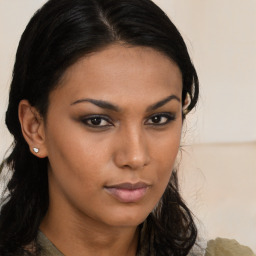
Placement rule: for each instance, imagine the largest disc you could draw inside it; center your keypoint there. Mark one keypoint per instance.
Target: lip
(128, 192)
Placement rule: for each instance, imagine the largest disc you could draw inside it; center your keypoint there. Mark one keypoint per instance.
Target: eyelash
(100, 118)
(169, 117)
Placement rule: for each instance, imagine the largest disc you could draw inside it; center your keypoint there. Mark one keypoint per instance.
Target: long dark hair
(60, 33)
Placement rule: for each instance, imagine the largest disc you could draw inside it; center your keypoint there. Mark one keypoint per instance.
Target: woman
(99, 93)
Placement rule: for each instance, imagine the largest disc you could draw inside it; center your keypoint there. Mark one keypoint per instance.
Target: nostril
(133, 163)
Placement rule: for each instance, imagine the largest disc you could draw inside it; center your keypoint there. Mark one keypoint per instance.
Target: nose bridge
(132, 151)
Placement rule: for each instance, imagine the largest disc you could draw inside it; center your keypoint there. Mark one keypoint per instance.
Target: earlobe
(32, 126)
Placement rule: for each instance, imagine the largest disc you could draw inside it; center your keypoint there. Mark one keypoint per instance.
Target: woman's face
(112, 135)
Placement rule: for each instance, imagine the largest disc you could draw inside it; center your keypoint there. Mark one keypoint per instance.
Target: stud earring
(36, 150)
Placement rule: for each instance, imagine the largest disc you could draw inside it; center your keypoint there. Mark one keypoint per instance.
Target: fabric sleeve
(227, 247)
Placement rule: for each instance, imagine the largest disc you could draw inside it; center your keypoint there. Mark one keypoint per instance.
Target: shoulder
(47, 248)
(227, 247)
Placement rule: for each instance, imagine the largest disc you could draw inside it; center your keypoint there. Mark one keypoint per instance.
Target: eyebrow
(99, 103)
(162, 102)
(113, 107)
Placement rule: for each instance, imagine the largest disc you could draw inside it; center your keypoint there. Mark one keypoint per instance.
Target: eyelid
(170, 117)
(84, 119)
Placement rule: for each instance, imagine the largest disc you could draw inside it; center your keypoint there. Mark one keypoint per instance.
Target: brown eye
(160, 119)
(96, 121)
(156, 119)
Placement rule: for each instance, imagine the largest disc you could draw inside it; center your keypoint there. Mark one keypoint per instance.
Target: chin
(128, 218)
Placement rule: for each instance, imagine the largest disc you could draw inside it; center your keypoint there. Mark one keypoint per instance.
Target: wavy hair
(57, 36)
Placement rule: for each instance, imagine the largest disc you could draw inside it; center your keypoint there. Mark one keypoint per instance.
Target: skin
(128, 144)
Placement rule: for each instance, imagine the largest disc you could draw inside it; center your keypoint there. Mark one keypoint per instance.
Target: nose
(132, 151)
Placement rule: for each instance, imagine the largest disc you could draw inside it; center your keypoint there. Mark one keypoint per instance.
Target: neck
(71, 233)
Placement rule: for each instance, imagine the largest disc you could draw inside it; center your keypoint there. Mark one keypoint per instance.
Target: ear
(33, 130)
(186, 104)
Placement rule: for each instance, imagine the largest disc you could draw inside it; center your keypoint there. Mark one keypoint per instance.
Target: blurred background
(217, 162)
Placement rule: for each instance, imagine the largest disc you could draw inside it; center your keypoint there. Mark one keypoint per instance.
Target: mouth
(128, 192)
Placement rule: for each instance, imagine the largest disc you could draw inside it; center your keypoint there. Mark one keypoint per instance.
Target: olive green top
(48, 248)
(227, 247)
(217, 247)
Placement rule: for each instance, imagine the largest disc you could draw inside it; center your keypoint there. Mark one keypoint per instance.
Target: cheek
(166, 148)
(75, 160)
(68, 141)
(75, 174)
(72, 157)
(164, 159)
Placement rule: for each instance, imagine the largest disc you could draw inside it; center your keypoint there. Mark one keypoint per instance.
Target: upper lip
(128, 185)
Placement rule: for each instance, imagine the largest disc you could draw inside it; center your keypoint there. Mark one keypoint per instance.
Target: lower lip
(127, 195)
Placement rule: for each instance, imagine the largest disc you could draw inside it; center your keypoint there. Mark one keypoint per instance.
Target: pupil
(156, 119)
(96, 121)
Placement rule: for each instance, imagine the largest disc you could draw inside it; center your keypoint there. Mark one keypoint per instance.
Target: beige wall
(218, 180)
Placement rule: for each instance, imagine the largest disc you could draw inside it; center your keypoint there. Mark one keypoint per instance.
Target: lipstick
(128, 192)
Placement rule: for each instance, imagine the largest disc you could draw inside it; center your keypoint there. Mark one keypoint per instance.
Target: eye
(160, 119)
(97, 121)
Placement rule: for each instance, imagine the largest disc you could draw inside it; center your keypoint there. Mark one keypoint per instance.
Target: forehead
(122, 72)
